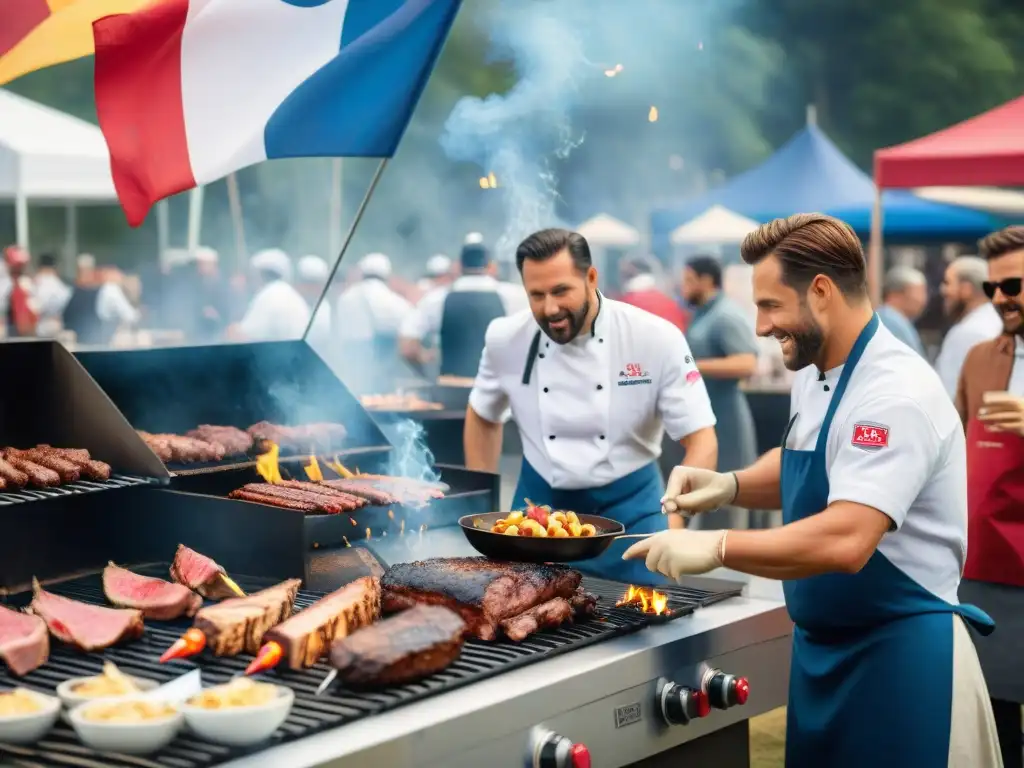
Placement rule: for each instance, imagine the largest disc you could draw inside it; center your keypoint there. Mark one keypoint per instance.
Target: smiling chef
(871, 478)
(591, 383)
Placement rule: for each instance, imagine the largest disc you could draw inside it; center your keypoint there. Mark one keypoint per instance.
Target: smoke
(411, 457)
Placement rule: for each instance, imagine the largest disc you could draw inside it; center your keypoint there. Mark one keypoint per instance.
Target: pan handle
(634, 536)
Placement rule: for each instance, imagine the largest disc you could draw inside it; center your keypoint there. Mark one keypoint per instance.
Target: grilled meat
(38, 475)
(233, 440)
(382, 489)
(324, 502)
(239, 624)
(309, 438)
(273, 501)
(182, 450)
(364, 490)
(354, 502)
(89, 467)
(553, 613)
(66, 471)
(156, 598)
(483, 592)
(86, 627)
(306, 636)
(412, 645)
(200, 574)
(13, 478)
(24, 641)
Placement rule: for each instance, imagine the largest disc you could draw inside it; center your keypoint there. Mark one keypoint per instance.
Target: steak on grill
(86, 627)
(412, 645)
(233, 440)
(306, 636)
(157, 599)
(200, 574)
(24, 641)
(483, 592)
(547, 615)
(239, 624)
(319, 437)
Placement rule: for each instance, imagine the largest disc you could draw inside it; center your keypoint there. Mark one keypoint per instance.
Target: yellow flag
(65, 35)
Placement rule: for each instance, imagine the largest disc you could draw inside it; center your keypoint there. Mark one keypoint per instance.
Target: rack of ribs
(300, 642)
(487, 594)
(414, 644)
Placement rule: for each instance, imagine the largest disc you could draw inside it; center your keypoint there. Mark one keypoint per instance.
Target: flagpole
(348, 239)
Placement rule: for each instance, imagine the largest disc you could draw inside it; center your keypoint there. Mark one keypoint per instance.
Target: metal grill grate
(682, 601)
(72, 489)
(310, 713)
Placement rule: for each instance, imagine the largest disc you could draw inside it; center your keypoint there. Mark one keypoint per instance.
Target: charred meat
(298, 495)
(12, 478)
(157, 599)
(24, 641)
(86, 627)
(234, 441)
(321, 437)
(66, 470)
(239, 625)
(200, 574)
(89, 467)
(306, 636)
(483, 592)
(412, 645)
(38, 475)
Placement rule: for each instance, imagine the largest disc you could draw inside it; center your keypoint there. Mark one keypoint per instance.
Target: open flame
(267, 465)
(313, 470)
(338, 467)
(646, 600)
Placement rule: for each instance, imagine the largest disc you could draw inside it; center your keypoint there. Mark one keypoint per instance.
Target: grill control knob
(679, 705)
(549, 750)
(724, 690)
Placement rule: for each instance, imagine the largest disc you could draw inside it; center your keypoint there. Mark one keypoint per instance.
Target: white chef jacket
(918, 477)
(594, 409)
(276, 313)
(425, 320)
(980, 324)
(370, 308)
(320, 334)
(112, 305)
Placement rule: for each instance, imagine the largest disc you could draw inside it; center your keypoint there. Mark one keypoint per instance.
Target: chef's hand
(679, 552)
(1003, 412)
(691, 489)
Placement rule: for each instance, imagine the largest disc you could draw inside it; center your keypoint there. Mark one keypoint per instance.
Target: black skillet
(547, 549)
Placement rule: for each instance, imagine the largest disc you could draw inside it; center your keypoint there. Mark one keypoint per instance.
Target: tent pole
(20, 210)
(163, 241)
(195, 218)
(235, 203)
(875, 250)
(70, 237)
(348, 239)
(336, 208)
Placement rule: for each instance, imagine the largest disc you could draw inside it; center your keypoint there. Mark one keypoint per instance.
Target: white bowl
(240, 726)
(71, 699)
(127, 738)
(27, 729)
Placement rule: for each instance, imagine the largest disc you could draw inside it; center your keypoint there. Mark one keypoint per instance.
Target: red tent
(984, 150)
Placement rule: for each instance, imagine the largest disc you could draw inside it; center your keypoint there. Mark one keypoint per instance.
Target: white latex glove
(1003, 412)
(691, 489)
(680, 551)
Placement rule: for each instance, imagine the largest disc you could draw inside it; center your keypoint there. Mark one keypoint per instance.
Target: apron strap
(786, 431)
(531, 358)
(851, 363)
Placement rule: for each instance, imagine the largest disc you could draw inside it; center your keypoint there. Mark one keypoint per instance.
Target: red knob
(703, 703)
(742, 689)
(580, 756)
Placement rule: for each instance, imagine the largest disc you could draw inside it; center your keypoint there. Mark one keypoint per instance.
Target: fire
(338, 467)
(652, 115)
(313, 470)
(369, 533)
(267, 466)
(490, 181)
(613, 71)
(646, 599)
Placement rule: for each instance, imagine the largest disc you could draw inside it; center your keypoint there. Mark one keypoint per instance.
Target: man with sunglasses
(990, 399)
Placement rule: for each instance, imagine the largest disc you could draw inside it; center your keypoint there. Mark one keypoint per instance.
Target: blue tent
(808, 174)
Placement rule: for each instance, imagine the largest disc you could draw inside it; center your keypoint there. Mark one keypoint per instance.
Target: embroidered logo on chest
(633, 374)
(870, 437)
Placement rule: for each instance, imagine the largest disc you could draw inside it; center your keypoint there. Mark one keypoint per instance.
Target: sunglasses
(1010, 287)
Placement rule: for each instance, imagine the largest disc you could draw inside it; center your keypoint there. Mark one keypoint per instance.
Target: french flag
(189, 91)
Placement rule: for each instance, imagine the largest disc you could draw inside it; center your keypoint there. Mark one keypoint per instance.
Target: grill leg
(725, 748)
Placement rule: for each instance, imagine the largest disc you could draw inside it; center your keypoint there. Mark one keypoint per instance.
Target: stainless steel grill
(8, 498)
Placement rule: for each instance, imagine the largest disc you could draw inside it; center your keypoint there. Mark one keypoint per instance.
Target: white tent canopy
(47, 156)
(716, 226)
(991, 199)
(607, 231)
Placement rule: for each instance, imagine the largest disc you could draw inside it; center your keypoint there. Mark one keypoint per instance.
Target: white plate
(71, 699)
(28, 729)
(240, 726)
(128, 738)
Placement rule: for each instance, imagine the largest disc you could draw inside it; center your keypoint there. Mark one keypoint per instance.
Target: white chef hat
(473, 238)
(313, 269)
(206, 255)
(375, 265)
(438, 265)
(273, 260)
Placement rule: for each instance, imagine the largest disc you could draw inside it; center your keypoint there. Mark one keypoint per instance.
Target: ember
(645, 600)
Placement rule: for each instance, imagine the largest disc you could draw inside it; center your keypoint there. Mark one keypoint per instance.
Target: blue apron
(633, 500)
(871, 681)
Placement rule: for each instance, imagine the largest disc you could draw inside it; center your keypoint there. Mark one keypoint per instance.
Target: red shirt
(657, 303)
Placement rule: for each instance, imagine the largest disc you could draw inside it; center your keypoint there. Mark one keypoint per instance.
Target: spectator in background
(438, 273)
(724, 347)
(974, 318)
(52, 296)
(98, 305)
(276, 312)
(214, 310)
(904, 297)
(22, 310)
(639, 281)
(313, 275)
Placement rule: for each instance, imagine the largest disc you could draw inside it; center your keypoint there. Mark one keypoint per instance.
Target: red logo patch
(870, 436)
(693, 377)
(634, 370)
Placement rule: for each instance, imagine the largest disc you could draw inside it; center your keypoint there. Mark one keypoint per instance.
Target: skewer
(267, 658)
(327, 681)
(189, 644)
(230, 584)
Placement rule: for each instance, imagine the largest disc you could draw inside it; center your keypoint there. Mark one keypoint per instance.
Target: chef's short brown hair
(1002, 242)
(808, 245)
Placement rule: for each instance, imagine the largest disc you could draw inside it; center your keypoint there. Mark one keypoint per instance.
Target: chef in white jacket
(277, 312)
(313, 273)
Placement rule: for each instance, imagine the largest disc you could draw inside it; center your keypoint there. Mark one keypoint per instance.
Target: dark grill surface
(310, 713)
(71, 489)
(682, 601)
